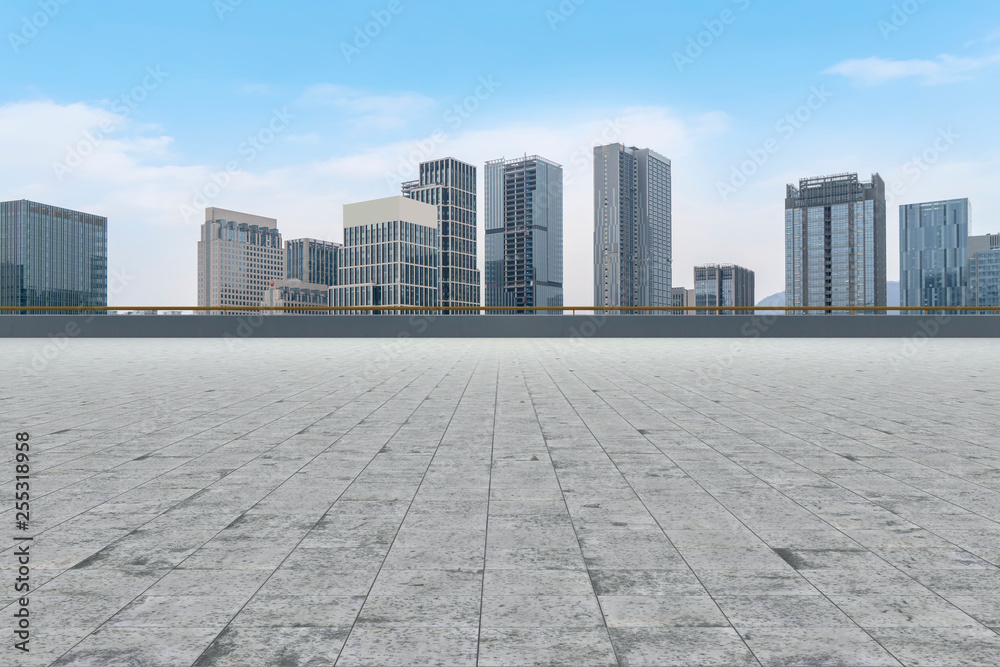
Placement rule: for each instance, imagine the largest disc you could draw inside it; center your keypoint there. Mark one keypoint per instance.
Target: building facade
(450, 185)
(524, 234)
(835, 242)
(933, 254)
(239, 255)
(723, 285)
(291, 293)
(984, 271)
(682, 297)
(390, 255)
(52, 257)
(632, 227)
(312, 261)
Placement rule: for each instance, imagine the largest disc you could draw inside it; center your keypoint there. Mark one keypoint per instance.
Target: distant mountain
(774, 300)
(892, 297)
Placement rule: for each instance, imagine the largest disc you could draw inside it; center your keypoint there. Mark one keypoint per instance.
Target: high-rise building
(390, 255)
(682, 297)
(52, 257)
(524, 234)
(632, 226)
(984, 271)
(933, 254)
(835, 253)
(723, 285)
(450, 185)
(238, 256)
(311, 261)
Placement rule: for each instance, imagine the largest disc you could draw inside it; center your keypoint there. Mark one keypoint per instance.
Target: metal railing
(480, 310)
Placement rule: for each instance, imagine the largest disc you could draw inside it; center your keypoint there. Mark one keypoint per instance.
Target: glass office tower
(312, 261)
(933, 254)
(723, 285)
(984, 271)
(390, 255)
(451, 186)
(524, 234)
(835, 253)
(52, 257)
(632, 218)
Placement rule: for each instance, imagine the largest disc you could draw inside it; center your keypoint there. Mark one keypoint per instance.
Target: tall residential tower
(632, 227)
(524, 233)
(450, 185)
(835, 242)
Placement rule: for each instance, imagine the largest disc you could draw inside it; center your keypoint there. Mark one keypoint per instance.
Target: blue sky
(162, 96)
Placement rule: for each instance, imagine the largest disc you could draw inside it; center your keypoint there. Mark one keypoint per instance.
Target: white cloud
(376, 112)
(132, 179)
(944, 69)
(992, 37)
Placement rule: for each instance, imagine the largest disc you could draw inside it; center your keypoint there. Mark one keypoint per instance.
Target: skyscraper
(984, 271)
(723, 285)
(451, 186)
(238, 256)
(835, 242)
(52, 257)
(632, 227)
(311, 261)
(390, 255)
(524, 234)
(933, 253)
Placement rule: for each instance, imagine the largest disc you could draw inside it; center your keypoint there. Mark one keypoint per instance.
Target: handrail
(500, 309)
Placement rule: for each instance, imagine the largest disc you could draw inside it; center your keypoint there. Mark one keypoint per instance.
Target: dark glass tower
(933, 253)
(524, 234)
(52, 257)
(451, 186)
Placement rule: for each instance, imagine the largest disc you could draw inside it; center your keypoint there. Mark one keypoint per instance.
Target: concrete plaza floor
(521, 502)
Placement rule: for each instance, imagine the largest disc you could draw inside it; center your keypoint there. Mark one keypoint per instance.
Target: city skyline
(859, 96)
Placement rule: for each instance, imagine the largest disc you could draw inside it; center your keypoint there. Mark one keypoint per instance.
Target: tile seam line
(70, 649)
(437, 448)
(583, 422)
(888, 652)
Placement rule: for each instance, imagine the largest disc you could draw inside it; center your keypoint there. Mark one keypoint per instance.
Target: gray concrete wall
(518, 326)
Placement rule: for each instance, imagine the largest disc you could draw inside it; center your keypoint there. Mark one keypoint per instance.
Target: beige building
(239, 255)
(390, 255)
